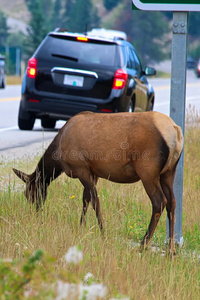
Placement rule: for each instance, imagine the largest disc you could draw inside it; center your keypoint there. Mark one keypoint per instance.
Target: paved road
(162, 91)
(9, 102)
(15, 143)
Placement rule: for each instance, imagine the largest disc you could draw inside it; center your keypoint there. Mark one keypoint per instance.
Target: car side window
(123, 55)
(131, 64)
(138, 65)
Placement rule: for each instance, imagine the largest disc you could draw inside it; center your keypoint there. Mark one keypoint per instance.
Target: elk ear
(21, 175)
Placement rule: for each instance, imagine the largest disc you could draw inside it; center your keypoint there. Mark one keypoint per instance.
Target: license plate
(73, 80)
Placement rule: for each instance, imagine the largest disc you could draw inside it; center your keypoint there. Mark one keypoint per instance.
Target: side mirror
(148, 71)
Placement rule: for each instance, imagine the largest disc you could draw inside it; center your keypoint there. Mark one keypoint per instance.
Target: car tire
(25, 119)
(2, 85)
(46, 122)
(25, 124)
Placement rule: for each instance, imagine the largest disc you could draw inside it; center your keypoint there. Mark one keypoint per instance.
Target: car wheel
(130, 107)
(3, 84)
(48, 123)
(25, 119)
(26, 124)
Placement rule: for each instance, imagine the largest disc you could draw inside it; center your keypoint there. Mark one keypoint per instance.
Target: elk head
(34, 191)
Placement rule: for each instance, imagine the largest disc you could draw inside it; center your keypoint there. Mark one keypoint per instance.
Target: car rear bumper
(66, 108)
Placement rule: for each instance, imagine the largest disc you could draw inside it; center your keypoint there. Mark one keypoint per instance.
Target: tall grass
(111, 257)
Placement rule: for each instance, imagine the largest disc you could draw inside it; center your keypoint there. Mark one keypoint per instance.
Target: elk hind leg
(86, 201)
(96, 207)
(158, 201)
(167, 181)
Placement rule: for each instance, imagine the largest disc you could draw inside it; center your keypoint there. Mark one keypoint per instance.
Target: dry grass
(126, 211)
(13, 80)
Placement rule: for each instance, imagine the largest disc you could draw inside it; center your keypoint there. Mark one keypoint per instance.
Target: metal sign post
(178, 82)
(177, 104)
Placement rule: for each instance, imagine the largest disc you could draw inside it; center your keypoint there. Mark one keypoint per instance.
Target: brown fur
(123, 148)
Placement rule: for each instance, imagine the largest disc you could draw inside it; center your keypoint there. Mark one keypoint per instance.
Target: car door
(141, 101)
(134, 89)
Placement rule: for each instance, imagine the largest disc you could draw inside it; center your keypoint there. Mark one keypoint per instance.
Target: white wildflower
(71, 291)
(93, 291)
(89, 277)
(120, 298)
(67, 291)
(74, 255)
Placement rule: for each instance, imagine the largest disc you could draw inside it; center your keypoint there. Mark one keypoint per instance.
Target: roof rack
(102, 33)
(108, 33)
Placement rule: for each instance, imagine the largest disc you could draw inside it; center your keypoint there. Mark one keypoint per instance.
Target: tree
(147, 31)
(194, 24)
(47, 9)
(56, 16)
(79, 15)
(110, 4)
(66, 14)
(30, 4)
(3, 29)
(38, 26)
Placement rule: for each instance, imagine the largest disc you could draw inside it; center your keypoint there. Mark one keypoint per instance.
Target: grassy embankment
(126, 211)
(13, 80)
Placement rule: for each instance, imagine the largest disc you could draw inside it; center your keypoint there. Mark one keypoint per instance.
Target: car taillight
(82, 38)
(32, 67)
(106, 110)
(34, 100)
(120, 79)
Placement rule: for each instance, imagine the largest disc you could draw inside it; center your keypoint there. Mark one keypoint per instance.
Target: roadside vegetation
(33, 246)
(13, 80)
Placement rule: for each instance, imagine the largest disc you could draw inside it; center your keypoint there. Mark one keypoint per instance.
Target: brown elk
(121, 147)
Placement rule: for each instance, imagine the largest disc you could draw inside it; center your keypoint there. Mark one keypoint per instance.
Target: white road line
(9, 99)
(188, 100)
(37, 125)
(8, 128)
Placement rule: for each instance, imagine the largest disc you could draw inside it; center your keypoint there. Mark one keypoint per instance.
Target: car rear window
(78, 51)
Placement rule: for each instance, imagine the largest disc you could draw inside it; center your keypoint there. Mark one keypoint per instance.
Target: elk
(120, 147)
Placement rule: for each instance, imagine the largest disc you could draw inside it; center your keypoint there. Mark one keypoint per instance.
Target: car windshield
(81, 52)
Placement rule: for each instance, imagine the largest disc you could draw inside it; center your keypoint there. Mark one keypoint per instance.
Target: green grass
(112, 258)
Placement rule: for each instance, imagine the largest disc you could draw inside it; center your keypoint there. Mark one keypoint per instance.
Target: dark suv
(70, 73)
